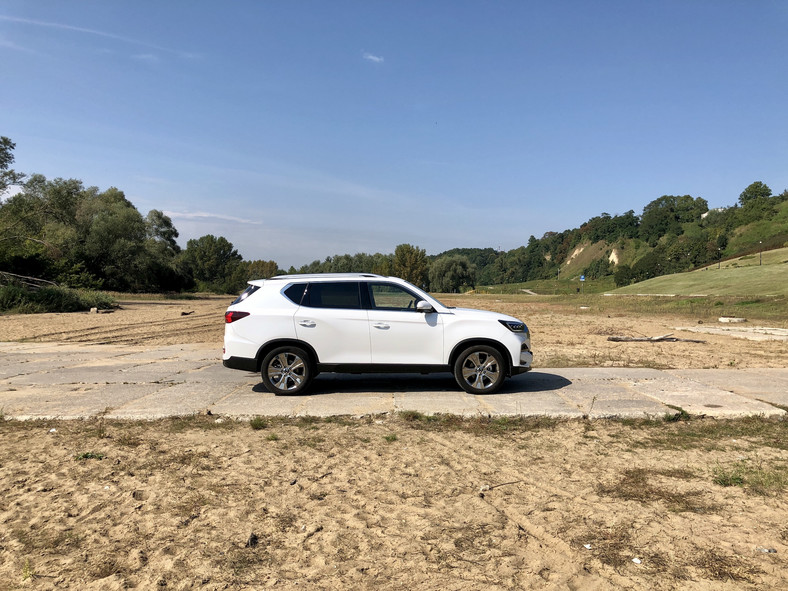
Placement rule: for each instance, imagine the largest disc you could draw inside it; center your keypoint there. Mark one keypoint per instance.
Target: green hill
(754, 274)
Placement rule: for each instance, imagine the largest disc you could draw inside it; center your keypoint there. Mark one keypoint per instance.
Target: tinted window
(295, 292)
(332, 295)
(386, 296)
(246, 293)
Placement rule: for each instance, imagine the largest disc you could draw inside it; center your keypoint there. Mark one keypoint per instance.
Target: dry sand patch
(391, 503)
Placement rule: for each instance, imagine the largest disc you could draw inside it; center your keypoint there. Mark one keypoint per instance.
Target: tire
(480, 370)
(286, 370)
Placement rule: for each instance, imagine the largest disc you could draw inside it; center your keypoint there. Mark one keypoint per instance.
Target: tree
(260, 269)
(113, 239)
(666, 214)
(159, 227)
(8, 176)
(754, 191)
(452, 273)
(212, 262)
(410, 264)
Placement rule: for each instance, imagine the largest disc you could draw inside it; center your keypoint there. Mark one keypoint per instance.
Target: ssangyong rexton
(292, 327)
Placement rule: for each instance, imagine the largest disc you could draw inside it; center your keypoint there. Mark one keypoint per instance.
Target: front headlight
(515, 325)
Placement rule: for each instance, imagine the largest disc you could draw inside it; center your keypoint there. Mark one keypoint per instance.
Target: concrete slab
(528, 404)
(169, 401)
(248, 402)
(69, 402)
(611, 398)
(700, 399)
(768, 384)
(67, 380)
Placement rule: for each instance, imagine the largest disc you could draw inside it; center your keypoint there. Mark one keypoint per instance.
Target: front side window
(387, 296)
(343, 294)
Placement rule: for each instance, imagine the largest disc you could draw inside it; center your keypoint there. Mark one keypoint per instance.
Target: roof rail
(326, 276)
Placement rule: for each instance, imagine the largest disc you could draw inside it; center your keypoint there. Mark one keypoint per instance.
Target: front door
(398, 333)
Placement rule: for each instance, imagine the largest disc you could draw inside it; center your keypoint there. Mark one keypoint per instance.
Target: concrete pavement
(69, 381)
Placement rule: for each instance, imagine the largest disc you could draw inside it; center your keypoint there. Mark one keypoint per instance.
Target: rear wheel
(480, 369)
(287, 370)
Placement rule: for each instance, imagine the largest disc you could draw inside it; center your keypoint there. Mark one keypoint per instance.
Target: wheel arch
(271, 345)
(462, 345)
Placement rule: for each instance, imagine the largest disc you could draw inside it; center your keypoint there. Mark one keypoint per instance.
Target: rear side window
(245, 294)
(343, 294)
(295, 293)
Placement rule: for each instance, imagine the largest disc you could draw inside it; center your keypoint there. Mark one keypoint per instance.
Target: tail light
(233, 316)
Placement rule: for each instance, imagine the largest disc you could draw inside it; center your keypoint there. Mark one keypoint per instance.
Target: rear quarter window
(295, 293)
(245, 294)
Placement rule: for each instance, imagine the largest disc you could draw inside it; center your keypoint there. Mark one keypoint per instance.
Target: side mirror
(422, 306)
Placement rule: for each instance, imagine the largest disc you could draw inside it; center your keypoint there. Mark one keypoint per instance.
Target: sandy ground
(397, 502)
(562, 335)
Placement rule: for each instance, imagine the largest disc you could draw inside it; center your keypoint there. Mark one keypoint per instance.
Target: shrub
(22, 300)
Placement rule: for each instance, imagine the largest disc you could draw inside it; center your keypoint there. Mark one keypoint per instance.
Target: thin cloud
(375, 59)
(200, 215)
(146, 57)
(11, 45)
(62, 27)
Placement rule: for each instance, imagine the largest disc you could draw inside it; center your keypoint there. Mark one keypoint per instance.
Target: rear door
(332, 320)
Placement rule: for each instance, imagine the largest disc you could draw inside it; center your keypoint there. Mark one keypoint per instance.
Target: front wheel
(286, 370)
(479, 370)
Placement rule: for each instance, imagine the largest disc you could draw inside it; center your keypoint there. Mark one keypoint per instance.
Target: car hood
(481, 314)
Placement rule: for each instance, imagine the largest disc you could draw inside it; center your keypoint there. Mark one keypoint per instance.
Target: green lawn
(743, 276)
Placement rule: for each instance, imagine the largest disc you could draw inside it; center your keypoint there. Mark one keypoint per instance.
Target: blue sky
(303, 129)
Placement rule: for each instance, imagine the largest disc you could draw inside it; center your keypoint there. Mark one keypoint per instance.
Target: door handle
(382, 325)
(307, 323)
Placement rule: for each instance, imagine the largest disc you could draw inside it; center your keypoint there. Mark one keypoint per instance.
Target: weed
(312, 442)
(258, 423)
(27, 571)
(681, 415)
(127, 440)
(89, 455)
(100, 431)
(272, 437)
(390, 438)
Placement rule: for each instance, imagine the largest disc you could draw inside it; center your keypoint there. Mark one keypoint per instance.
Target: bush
(22, 300)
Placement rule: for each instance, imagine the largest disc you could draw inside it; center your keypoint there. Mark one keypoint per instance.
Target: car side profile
(292, 327)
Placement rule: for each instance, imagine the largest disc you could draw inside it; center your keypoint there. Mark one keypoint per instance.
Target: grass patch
(16, 299)
(681, 415)
(722, 567)
(203, 422)
(710, 434)
(258, 423)
(636, 485)
(476, 425)
(756, 478)
(89, 455)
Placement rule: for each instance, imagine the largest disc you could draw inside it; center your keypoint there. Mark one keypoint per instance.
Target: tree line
(78, 236)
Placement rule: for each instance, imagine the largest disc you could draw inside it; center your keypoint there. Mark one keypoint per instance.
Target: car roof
(321, 277)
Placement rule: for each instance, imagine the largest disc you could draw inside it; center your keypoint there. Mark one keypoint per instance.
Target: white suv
(292, 327)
